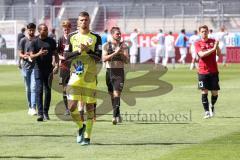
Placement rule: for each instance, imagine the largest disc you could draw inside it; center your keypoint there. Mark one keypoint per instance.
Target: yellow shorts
(82, 88)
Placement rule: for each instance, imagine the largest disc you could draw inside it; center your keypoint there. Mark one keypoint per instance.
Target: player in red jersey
(207, 49)
(64, 64)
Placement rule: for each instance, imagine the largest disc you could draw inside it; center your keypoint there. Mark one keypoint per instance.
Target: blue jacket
(181, 40)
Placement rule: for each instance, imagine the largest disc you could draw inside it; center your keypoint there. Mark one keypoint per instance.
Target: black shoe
(80, 136)
(40, 118)
(46, 116)
(114, 120)
(85, 142)
(213, 109)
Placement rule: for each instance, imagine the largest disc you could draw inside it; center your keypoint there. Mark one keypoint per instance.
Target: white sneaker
(119, 119)
(30, 111)
(34, 112)
(211, 110)
(207, 115)
(191, 66)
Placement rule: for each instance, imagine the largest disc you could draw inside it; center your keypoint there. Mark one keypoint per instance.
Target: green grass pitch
(144, 136)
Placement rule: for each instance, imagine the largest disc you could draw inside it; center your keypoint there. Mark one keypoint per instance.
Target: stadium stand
(148, 16)
(173, 14)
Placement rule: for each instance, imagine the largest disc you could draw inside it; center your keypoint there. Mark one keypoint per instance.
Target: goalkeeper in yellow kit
(84, 50)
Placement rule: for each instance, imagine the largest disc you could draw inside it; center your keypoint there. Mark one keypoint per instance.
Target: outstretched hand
(216, 44)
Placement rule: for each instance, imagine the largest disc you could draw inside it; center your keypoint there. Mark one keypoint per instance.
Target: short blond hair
(66, 24)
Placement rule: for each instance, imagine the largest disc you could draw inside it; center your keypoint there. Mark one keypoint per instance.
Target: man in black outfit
(19, 37)
(63, 63)
(43, 49)
(115, 54)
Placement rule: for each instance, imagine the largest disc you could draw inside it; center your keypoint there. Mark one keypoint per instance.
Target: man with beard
(43, 50)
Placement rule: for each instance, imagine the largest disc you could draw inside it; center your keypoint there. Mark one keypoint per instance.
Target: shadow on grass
(227, 117)
(161, 123)
(34, 135)
(133, 121)
(143, 144)
(30, 157)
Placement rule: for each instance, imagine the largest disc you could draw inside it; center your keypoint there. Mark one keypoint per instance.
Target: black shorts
(208, 81)
(115, 79)
(64, 77)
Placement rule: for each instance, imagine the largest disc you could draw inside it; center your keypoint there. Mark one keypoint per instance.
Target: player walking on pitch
(28, 67)
(115, 54)
(207, 49)
(64, 65)
(43, 50)
(85, 49)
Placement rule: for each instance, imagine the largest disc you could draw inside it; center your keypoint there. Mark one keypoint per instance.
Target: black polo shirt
(44, 62)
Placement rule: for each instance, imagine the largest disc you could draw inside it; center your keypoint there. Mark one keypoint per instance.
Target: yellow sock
(89, 126)
(76, 118)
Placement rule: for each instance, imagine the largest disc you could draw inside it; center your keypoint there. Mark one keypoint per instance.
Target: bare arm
(208, 52)
(55, 62)
(55, 59)
(21, 49)
(60, 49)
(40, 53)
(219, 51)
(125, 55)
(61, 57)
(108, 57)
(22, 55)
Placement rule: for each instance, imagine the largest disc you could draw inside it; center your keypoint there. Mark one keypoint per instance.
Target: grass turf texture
(143, 137)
